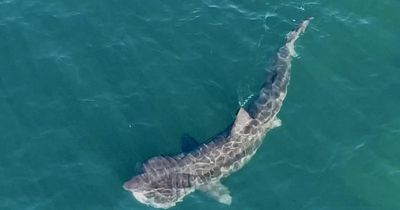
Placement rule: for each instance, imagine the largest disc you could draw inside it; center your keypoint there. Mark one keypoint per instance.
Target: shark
(166, 180)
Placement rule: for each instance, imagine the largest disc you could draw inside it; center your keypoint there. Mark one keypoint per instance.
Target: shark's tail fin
(294, 35)
(273, 92)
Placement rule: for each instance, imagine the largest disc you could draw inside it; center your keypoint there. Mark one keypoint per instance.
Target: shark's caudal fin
(267, 105)
(294, 35)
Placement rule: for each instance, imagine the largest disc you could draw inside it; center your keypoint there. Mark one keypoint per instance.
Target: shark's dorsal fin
(217, 191)
(242, 119)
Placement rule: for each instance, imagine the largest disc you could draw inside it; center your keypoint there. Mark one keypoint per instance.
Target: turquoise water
(89, 90)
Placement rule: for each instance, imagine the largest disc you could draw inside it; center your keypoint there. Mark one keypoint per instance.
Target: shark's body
(166, 180)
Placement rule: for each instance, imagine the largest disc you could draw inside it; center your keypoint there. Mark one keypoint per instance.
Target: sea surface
(91, 89)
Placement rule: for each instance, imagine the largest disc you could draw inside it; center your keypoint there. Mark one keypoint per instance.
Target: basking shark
(166, 180)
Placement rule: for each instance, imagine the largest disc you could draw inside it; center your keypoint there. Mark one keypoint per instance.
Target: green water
(89, 90)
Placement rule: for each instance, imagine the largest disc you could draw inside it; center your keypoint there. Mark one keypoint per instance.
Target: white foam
(143, 199)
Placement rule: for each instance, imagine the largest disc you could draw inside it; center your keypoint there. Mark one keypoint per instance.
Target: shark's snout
(132, 185)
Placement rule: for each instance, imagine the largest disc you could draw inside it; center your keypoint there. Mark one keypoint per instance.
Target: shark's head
(154, 191)
(140, 188)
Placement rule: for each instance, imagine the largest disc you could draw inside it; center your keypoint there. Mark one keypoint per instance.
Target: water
(88, 90)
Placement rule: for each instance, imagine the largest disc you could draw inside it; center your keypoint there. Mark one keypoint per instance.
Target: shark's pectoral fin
(188, 143)
(218, 192)
(276, 123)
